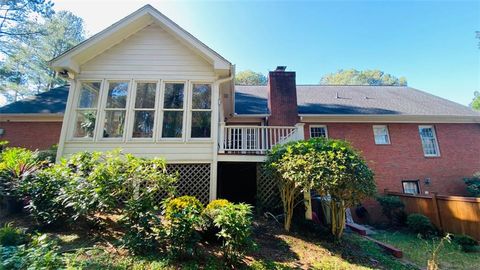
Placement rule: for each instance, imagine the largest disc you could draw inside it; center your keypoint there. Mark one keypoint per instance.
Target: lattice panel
(267, 189)
(193, 180)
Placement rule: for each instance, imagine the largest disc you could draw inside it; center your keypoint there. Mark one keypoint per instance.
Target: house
(149, 87)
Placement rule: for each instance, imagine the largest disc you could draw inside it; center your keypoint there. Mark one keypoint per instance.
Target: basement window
(318, 131)
(411, 187)
(429, 141)
(380, 133)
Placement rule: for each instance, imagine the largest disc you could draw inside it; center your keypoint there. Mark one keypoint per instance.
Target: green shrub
(467, 243)
(48, 155)
(211, 211)
(43, 192)
(392, 208)
(147, 179)
(473, 185)
(11, 236)
(183, 216)
(41, 253)
(16, 166)
(235, 224)
(419, 223)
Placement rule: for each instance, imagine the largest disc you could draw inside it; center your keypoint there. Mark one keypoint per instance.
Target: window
(429, 141)
(173, 108)
(318, 131)
(201, 111)
(380, 134)
(410, 187)
(144, 110)
(115, 110)
(86, 112)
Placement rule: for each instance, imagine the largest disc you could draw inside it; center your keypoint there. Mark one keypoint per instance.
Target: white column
(300, 131)
(221, 137)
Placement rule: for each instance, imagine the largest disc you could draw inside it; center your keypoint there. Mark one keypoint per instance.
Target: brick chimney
(282, 97)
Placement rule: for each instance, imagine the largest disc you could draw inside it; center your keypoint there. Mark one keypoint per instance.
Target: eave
(390, 118)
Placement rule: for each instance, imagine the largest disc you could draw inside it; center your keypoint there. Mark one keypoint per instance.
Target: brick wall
(32, 135)
(403, 159)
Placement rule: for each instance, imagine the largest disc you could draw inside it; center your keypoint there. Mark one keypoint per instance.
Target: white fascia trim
(376, 118)
(31, 117)
(250, 115)
(65, 60)
(242, 158)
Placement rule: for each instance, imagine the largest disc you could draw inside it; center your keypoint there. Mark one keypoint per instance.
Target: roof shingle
(52, 101)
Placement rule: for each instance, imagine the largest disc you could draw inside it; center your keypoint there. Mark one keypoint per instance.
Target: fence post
(436, 211)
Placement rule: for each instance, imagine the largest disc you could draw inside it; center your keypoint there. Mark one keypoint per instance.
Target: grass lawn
(101, 249)
(419, 250)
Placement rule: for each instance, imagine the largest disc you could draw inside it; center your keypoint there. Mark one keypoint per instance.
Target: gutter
(394, 118)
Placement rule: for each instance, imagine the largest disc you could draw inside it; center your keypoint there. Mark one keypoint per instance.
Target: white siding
(149, 52)
(173, 152)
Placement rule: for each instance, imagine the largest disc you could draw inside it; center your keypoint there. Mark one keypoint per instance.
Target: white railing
(256, 139)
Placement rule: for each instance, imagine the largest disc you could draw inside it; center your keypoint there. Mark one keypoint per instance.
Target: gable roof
(354, 100)
(53, 101)
(72, 59)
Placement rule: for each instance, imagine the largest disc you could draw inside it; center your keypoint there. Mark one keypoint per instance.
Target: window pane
(172, 124)
(143, 124)
(429, 142)
(317, 132)
(201, 124)
(117, 94)
(114, 122)
(173, 96)
(201, 96)
(381, 135)
(85, 124)
(145, 96)
(410, 187)
(89, 94)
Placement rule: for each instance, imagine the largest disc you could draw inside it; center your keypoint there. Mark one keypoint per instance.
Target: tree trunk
(337, 214)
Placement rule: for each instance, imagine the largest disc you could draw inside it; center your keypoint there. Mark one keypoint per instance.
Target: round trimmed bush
(467, 243)
(185, 203)
(419, 223)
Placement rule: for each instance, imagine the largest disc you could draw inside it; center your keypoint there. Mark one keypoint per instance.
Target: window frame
(437, 146)
(388, 134)
(417, 182)
(318, 126)
(161, 111)
(191, 110)
(132, 109)
(76, 109)
(103, 109)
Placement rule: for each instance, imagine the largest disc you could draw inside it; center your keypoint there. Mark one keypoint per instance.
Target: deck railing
(256, 139)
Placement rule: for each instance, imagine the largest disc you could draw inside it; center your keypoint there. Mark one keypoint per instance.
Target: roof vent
(281, 68)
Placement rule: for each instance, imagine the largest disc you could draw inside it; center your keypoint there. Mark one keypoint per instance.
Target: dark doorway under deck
(237, 182)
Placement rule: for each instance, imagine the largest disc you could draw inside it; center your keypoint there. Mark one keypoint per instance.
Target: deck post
(221, 137)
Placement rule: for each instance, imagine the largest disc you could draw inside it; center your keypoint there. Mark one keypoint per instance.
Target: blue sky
(432, 43)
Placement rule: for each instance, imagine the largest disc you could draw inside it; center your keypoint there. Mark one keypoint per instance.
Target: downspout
(213, 173)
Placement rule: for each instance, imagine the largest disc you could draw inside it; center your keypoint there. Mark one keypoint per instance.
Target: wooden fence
(453, 214)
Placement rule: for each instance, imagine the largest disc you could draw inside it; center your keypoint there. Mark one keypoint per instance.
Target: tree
(17, 17)
(331, 167)
(249, 77)
(25, 69)
(475, 104)
(362, 77)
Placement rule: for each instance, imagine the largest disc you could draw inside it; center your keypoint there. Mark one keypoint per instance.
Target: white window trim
(190, 110)
(412, 181)
(161, 110)
(103, 108)
(318, 126)
(437, 146)
(73, 116)
(132, 108)
(388, 134)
